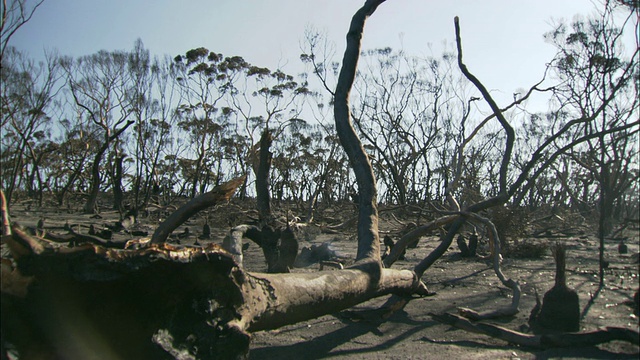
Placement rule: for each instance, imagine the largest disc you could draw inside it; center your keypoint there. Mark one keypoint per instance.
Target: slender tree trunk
(602, 218)
(118, 193)
(262, 177)
(72, 179)
(90, 205)
(15, 171)
(368, 238)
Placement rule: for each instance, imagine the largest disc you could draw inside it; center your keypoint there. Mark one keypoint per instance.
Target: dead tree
(262, 177)
(542, 341)
(189, 300)
(197, 300)
(560, 308)
(180, 302)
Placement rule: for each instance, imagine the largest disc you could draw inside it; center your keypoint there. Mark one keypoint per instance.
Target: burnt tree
(194, 300)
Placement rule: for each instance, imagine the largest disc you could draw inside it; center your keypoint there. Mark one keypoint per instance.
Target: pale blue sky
(502, 39)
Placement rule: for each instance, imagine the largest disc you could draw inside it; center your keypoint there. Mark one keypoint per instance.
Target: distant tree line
(149, 129)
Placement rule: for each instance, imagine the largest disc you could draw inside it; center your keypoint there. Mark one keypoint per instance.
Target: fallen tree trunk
(199, 301)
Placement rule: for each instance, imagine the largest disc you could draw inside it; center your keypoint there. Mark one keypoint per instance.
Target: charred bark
(90, 205)
(162, 299)
(368, 238)
(262, 178)
(547, 341)
(560, 308)
(280, 247)
(116, 183)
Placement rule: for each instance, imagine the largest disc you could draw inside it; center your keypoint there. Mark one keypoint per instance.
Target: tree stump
(560, 308)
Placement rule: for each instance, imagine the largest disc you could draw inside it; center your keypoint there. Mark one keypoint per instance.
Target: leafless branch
(368, 239)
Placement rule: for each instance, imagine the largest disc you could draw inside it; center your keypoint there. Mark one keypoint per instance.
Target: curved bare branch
(511, 136)
(368, 238)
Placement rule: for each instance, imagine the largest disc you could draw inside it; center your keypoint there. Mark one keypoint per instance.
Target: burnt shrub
(511, 224)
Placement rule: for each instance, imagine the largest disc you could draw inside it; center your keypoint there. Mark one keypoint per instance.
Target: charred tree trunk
(90, 205)
(116, 183)
(262, 178)
(368, 238)
(560, 310)
(69, 184)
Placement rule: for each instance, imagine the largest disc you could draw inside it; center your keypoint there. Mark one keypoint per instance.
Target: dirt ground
(358, 333)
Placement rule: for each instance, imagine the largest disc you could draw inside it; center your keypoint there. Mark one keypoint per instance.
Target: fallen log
(162, 299)
(75, 239)
(544, 341)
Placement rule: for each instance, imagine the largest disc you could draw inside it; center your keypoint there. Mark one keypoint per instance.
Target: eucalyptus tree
(99, 85)
(29, 90)
(211, 315)
(15, 13)
(265, 102)
(204, 78)
(289, 165)
(600, 88)
(388, 89)
(306, 167)
(336, 178)
(69, 170)
(329, 177)
(327, 169)
(408, 112)
(152, 96)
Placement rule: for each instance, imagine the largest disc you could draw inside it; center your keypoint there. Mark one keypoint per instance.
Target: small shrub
(511, 225)
(526, 250)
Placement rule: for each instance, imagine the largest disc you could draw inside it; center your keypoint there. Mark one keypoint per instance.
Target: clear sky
(502, 39)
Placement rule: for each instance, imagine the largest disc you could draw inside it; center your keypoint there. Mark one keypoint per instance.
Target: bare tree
(15, 13)
(200, 302)
(598, 85)
(152, 98)
(98, 84)
(204, 78)
(266, 102)
(28, 94)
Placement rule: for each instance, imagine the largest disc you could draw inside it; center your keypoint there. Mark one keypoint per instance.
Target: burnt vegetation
(221, 155)
(560, 307)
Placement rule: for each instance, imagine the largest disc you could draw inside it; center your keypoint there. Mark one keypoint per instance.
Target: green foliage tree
(204, 79)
